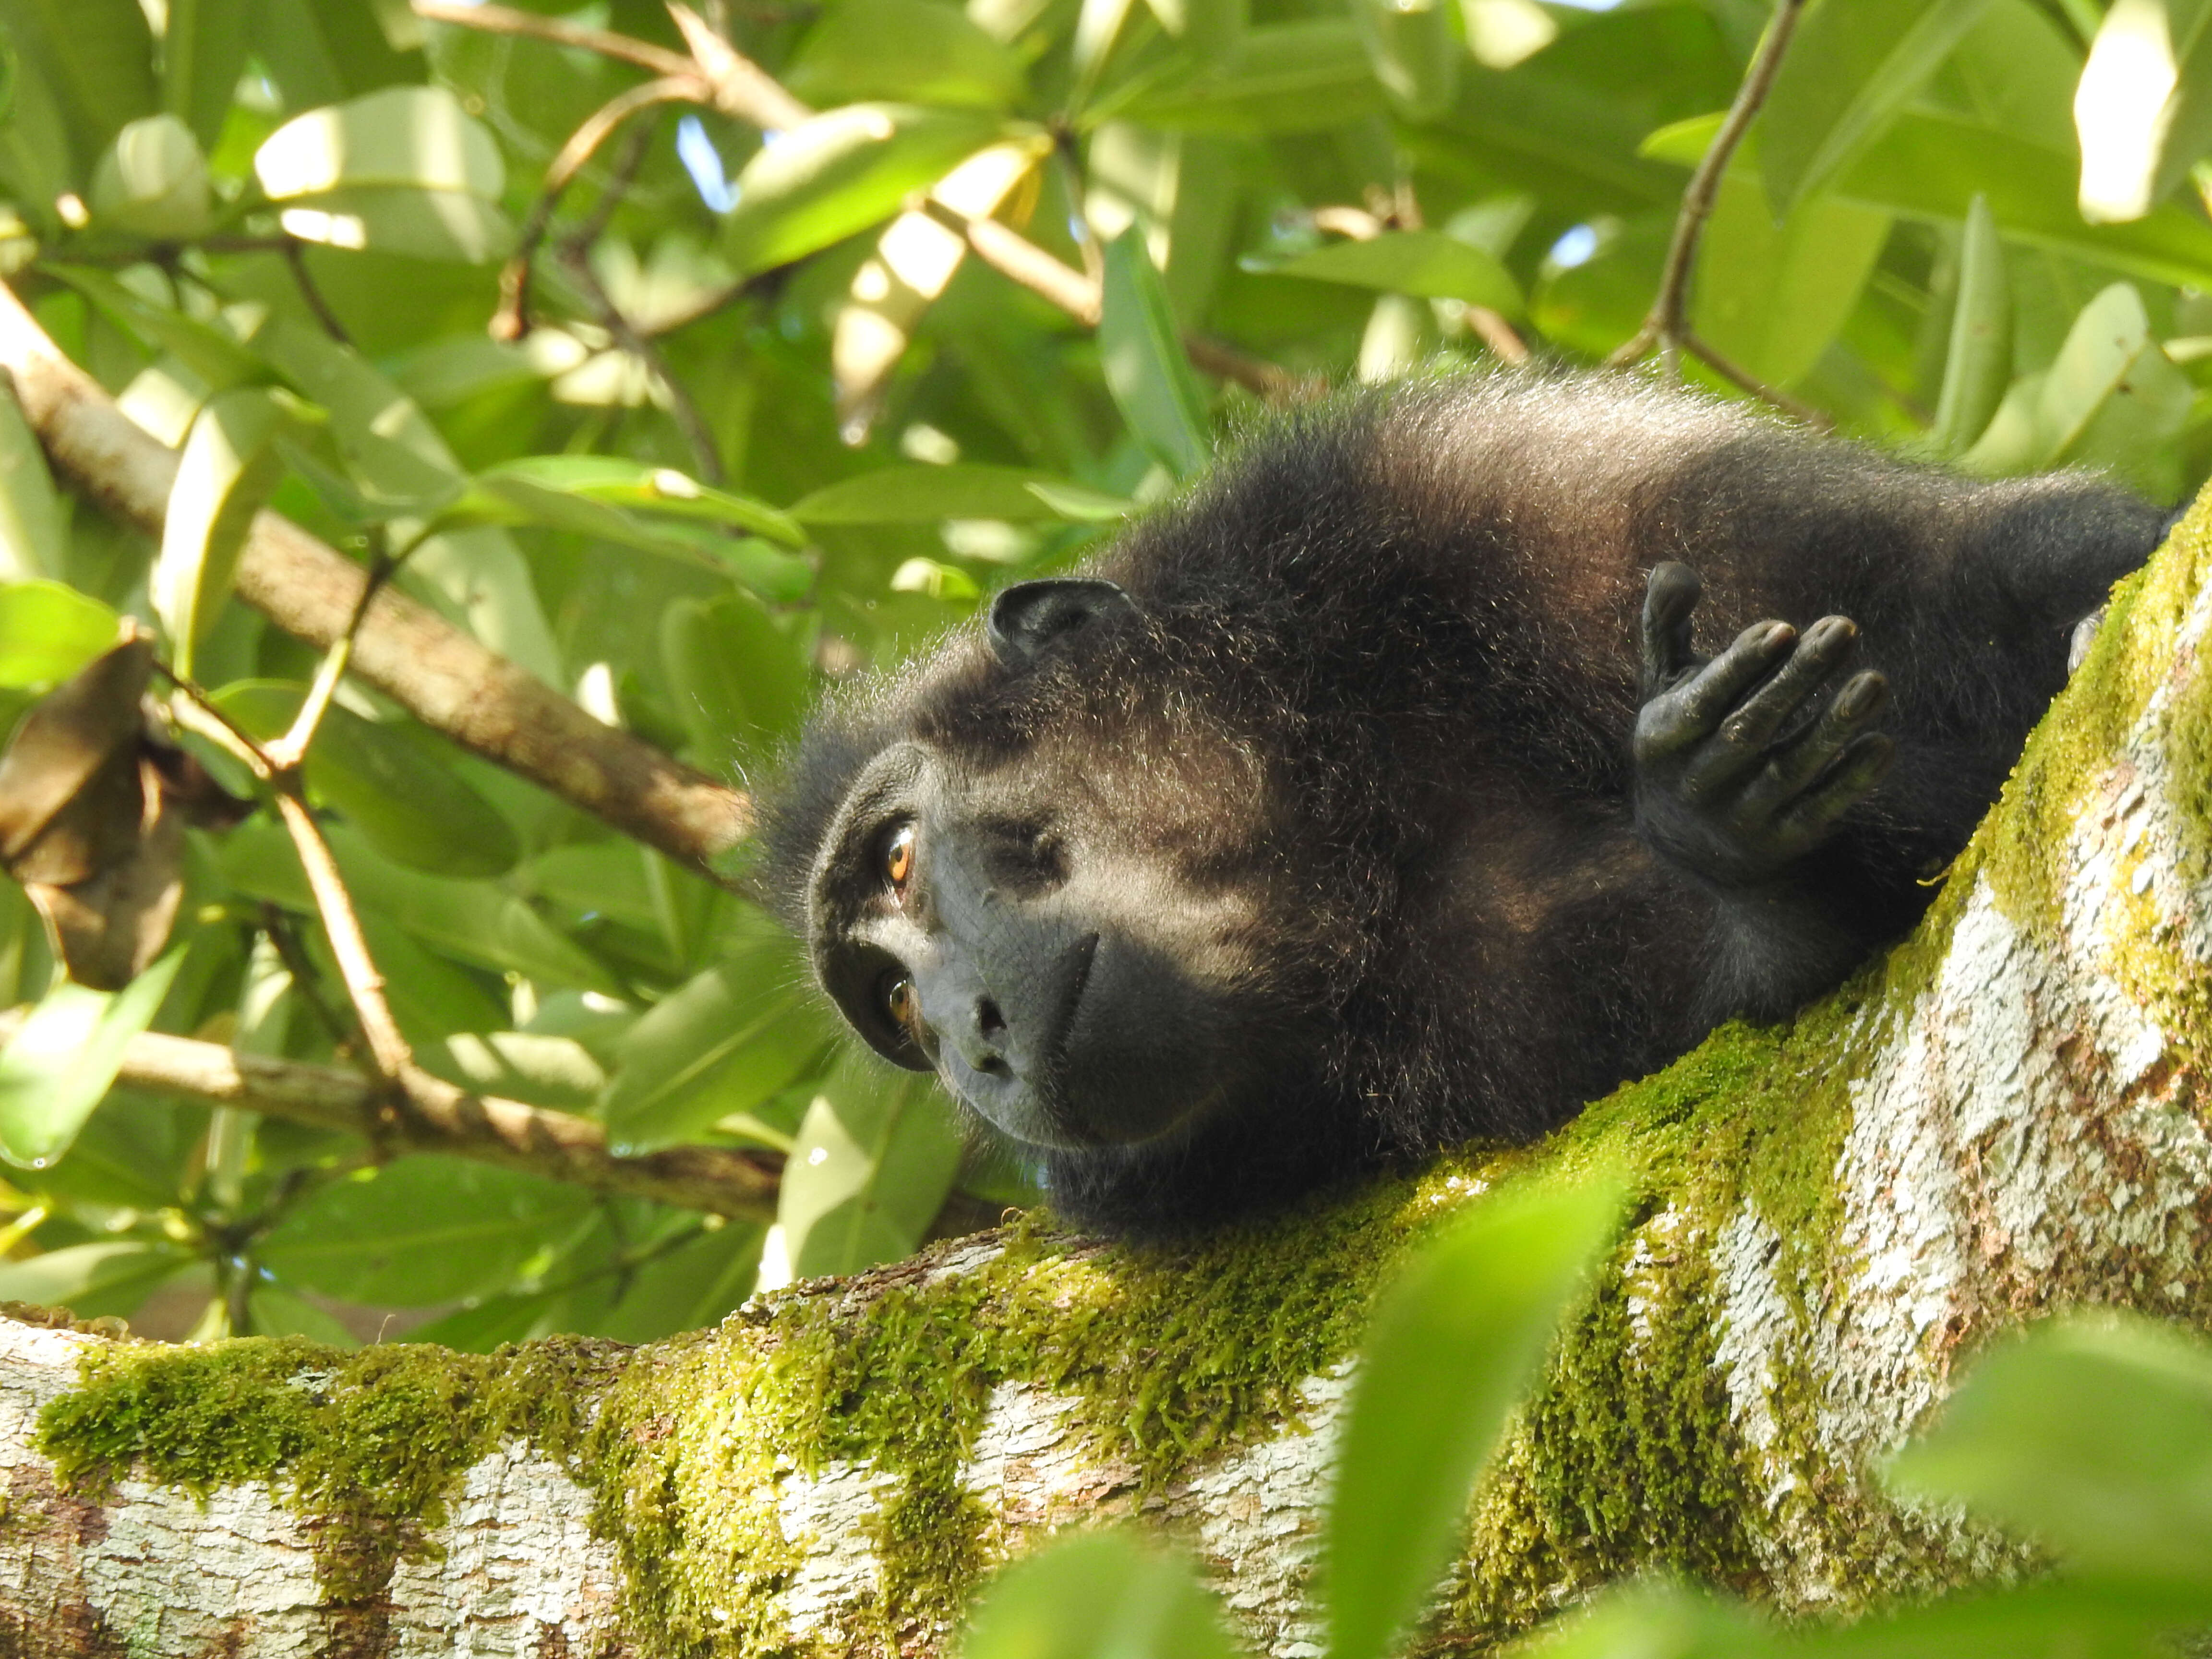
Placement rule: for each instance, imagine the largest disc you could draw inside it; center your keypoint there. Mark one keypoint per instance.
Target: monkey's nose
(982, 1037)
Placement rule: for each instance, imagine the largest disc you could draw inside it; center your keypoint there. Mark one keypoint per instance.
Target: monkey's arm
(1743, 763)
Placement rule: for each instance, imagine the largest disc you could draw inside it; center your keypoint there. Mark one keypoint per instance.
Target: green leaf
(1282, 78)
(203, 53)
(1210, 30)
(922, 52)
(1141, 351)
(1979, 361)
(740, 683)
(402, 793)
(33, 541)
(420, 1230)
(2143, 109)
(93, 1280)
(320, 54)
(920, 494)
(2093, 1432)
(720, 1044)
(404, 170)
(229, 465)
(1096, 1596)
(2109, 392)
(62, 1058)
(1771, 297)
(620, 482)
(869, 1169)
(841, 173)
(96, 56)
(48, 631)
(153, 181)
(1413, 53)
(1451, 1345)
(416, 136)
(1931, 166)
(213, 355)
(1426, 262)
(472, 921)
(1853, 65)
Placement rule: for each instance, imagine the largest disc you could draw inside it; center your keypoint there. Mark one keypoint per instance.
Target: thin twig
(506, 19)
(1744, 380)
(697, 435)
(743, 89)
(512, 320)
(1667, 324)
(345, 1036)
(557, 1145)
(288, 751)
(364, 981)
(295, 256)
(623, 176)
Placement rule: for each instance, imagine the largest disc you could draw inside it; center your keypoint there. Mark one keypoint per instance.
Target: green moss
(368, 1445)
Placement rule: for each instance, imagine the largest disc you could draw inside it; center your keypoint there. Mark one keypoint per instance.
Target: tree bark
(2005, 1116)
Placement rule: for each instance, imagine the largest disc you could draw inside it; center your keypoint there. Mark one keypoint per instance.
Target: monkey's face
(1070, 933)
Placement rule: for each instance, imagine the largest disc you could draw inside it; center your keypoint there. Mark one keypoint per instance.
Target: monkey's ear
(1026, 619)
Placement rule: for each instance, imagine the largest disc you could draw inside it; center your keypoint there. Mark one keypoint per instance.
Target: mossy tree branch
(2006, 1115)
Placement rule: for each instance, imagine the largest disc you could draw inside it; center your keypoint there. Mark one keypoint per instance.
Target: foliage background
(1969, 229)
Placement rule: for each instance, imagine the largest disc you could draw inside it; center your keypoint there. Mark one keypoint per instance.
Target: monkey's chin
(1108, 1121)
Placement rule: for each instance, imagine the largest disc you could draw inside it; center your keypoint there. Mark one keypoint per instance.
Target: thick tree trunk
(2004, 1116)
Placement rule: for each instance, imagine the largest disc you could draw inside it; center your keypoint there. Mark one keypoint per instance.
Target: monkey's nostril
(989, 1021)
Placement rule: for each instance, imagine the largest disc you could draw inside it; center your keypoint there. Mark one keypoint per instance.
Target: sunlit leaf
(869, 1167)
(94, 1280)
(153, 181)
(404, 170)
(209, 352)
(919, 51)
(620, 482)
(48, 632)
(65, 1055)
(1853, 65)
(841, 173)
(1426, 262)
(229, 465)
(1979, 361)
(1452, 1343)
(925, 495)
(1141, 351)
(2143, 107)
(32, 537)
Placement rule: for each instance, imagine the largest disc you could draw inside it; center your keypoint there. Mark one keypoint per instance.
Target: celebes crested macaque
(1427, 770)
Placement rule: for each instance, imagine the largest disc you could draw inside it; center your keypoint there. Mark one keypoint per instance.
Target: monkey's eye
(901, 1002)
(898, 858)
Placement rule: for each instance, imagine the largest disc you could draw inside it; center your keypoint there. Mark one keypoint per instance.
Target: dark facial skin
(1071, 989)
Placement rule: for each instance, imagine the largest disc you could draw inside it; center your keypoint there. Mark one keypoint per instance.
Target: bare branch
(1668, 323)
(295, 257)
(446, 680)
(557, 1145)
(743, 89)
(506, 19)
(1744, 380)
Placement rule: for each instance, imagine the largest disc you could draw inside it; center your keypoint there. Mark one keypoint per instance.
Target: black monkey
(1328, 819)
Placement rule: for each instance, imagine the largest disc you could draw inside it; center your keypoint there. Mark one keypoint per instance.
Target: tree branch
(446, 680)
(1667, 324)
(507, 20)
(557, 1145)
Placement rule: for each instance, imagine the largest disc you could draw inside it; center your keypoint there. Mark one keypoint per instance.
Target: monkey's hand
(1745, 761)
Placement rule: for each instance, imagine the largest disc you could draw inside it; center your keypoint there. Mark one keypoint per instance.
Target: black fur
(1368, 723)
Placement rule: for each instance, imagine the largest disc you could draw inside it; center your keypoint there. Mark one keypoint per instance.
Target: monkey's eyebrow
(887, 785)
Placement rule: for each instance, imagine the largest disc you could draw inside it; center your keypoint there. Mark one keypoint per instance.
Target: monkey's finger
(1741, 740)
(1791, 770)
(1669, 598)
(1864, 763)
(1691, 714)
